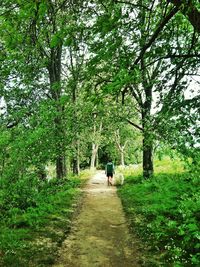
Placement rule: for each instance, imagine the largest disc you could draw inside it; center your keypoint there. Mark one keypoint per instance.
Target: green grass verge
(36, 219)
(165, 213)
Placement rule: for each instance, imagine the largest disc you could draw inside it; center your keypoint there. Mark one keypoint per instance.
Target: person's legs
(110, 179)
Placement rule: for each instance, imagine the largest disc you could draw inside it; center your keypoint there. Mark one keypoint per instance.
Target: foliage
(165, 213)
(27, 207)
(143, 55)
(133, 59)
(75, 75)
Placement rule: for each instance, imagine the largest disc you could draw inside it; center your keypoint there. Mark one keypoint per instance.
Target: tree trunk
(54, 69)
(120, 147)
(76, 160)
(122, 158)
(74, 166)
(94, 155)
(147, 123)
(75, 127)
(95, 146)
(65, 166)
(97, 160)
(147, 156)
(147, 141)
(78, 157)
(60, 167)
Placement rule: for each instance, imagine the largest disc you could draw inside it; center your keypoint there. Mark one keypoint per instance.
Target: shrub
(26, 206)
(165, 212)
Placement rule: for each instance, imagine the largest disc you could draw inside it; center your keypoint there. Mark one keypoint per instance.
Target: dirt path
(100, 235)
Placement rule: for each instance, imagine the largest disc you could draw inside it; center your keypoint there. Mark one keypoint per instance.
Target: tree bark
(74, 95)
(146, 123)
(60, 167)
(122, 159)
(74, 166)
(54, 68)
(95, 146)
(121, 148)
(147, 137)
(76, 159)
(94, 155)
(147, 156)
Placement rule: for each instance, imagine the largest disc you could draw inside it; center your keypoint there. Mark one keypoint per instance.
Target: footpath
(99, 235)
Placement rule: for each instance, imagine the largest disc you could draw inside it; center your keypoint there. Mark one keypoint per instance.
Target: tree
(133, 54)
(95, 143)
(131, 57)
(39, 33)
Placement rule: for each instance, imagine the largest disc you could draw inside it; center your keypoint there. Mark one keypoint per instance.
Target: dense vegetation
(85, 81)
(35, 218)
(164, 211)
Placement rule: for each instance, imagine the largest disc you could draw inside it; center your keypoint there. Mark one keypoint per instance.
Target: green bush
(166, 213)
(27, 206)
(20, 194)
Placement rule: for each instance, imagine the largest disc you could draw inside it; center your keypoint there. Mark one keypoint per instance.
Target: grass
(164, 211)
(37, 220)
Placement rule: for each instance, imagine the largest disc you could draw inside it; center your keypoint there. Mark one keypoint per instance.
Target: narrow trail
(99, 235)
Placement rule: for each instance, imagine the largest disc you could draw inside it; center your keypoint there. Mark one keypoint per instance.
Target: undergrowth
(35, 217)
(165, 213)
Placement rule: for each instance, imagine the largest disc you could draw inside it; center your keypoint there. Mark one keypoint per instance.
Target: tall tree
(134, 54)
(40, 30)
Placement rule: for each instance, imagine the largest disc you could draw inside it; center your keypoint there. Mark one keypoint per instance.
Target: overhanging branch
(135, 125)
(189, 10)
(131, 4)
(156, 33)
(173, 56)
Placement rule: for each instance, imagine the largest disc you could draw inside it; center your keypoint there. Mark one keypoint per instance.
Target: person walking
(109, 172)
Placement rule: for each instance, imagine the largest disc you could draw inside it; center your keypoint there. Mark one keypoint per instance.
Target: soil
(99, 235)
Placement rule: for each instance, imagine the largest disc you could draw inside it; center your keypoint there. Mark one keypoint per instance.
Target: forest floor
(99, 235)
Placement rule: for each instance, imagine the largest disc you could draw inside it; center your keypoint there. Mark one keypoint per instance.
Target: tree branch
(156, 33)
(134, 5)
(189, 11)
(136, 94)
(174, 56)
(135, 125)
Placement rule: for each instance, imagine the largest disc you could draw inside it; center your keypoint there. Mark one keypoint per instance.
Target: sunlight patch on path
(98, 184)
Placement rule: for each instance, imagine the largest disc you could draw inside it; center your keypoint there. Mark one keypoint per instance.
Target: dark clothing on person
(109, 169)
